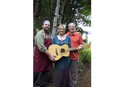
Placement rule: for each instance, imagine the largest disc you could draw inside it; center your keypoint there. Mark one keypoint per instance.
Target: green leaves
(85, 55)
(78, 11)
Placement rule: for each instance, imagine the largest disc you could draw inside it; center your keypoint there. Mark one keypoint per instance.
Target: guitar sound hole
(62, 51)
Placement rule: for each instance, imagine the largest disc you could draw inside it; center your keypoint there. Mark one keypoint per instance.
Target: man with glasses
(76, 41)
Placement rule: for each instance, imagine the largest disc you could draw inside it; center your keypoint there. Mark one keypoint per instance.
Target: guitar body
(64, 50)
(59, 51)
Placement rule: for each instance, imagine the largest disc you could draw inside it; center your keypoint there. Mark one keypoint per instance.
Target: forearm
(47, 52)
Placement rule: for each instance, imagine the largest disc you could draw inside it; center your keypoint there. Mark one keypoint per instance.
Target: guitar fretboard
(71, 49)
(76, 48)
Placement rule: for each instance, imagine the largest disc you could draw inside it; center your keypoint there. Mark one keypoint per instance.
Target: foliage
(78, 11)
(85, 55)
(85, 40)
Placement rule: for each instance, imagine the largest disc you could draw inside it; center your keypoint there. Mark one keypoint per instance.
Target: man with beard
(42, 58)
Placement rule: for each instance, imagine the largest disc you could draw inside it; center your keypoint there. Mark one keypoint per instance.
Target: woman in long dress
(61, 75)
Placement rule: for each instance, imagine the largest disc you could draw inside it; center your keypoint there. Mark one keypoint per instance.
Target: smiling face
(46, 25)
(61, 30)
(71, 27)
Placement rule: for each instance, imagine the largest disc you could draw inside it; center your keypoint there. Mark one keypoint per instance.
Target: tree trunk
(56, 18)
(62, 10)
(36, 9)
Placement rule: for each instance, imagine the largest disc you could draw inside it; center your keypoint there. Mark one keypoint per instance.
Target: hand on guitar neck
(80, 47)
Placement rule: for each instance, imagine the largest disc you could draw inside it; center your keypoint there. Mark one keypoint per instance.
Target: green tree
(61, 12)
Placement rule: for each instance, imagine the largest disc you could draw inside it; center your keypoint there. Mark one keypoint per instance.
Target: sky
(88, 29)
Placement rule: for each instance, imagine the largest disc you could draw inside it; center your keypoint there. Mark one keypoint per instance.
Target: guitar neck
(71, 49)
(76, 48)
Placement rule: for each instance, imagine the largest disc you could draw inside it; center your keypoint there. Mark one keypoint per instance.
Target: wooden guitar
(60, 51)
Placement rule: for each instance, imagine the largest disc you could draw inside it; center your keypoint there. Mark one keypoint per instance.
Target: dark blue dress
(61, 74)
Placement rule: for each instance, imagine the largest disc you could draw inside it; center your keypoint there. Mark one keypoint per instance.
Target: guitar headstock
(86, 46)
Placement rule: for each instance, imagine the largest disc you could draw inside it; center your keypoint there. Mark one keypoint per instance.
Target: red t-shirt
(76, 40)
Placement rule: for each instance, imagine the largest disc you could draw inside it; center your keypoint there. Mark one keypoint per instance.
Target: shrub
(85, 55)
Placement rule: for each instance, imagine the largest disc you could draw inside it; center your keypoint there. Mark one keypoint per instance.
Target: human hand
(52, 57)
(80, 47)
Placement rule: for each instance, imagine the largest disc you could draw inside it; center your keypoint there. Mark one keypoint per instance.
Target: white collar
(61, 37)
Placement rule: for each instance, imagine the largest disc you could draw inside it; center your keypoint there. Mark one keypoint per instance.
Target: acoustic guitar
(63, 50)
